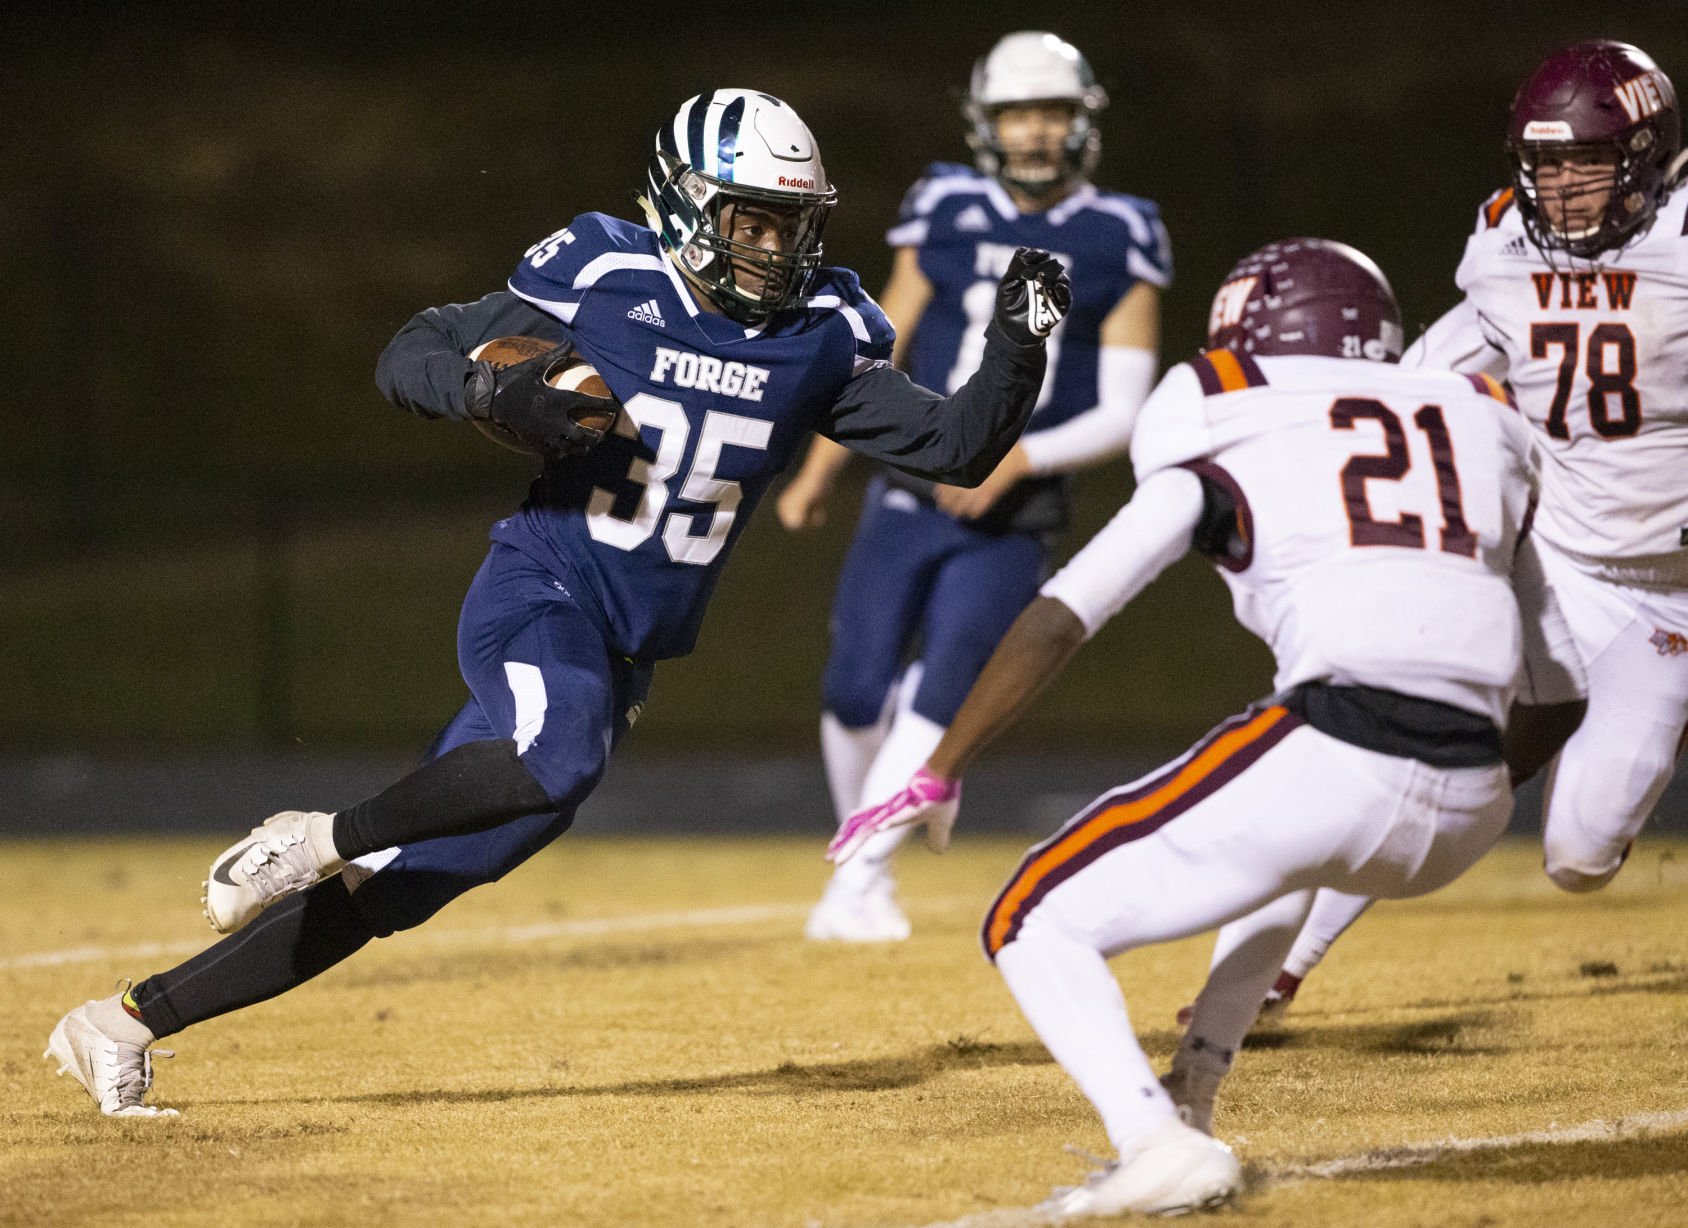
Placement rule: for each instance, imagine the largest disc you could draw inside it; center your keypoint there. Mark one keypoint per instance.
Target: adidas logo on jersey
(973, 217)
(1517, 247)
(648, 313)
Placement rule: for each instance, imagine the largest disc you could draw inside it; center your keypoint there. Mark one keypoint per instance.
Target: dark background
(220, 541)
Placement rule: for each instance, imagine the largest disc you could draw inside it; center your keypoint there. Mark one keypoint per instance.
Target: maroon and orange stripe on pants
(1123, 816)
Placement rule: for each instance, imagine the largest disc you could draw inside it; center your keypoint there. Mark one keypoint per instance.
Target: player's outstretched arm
(961, 438)
(1143, 539)
(424, 367)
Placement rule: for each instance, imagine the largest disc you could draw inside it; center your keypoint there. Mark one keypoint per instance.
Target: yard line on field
(1411, 1155)
(582, 927)
(88, 955)
(1384, 1159)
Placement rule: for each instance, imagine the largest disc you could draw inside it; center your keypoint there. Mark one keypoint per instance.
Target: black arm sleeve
(423, 367)
(884, 415)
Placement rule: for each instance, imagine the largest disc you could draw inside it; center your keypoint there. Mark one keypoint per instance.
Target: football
(578, 376)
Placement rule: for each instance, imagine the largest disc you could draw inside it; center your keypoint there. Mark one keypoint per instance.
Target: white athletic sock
(908, 745)
(1247, 956)
(319, 835)
(1333, 912)
(1072, 1001)
(109, 1017)
(848, 754)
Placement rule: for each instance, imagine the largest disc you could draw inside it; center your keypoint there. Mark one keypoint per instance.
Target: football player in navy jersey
(726, 344)
(936, 572)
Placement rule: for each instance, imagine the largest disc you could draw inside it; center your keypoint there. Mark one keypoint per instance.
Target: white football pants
(1263, 808)
(1610, 775)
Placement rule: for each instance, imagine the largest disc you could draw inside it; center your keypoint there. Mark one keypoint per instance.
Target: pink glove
(926, 798)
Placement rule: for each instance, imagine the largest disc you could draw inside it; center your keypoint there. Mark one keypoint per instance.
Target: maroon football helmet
(1595, 99)
(1307, 296)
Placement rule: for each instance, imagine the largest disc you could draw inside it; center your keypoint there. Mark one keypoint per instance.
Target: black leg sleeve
(471, 788)
(285, 946)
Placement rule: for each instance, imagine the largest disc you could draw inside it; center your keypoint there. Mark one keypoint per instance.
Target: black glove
(552, 421)
(1033, 296)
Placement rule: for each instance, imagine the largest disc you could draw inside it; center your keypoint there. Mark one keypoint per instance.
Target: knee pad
(855, 699)
(1578, 880)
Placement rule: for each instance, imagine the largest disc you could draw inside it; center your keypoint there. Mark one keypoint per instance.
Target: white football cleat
(1176, 1169)
(274, 861)
(850, 912)
(114, 1072)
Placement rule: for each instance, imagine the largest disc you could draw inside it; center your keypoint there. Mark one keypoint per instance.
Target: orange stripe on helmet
(1074, 843)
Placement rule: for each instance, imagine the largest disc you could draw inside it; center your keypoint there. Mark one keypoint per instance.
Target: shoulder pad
(1172, 425)
(1222, 371)
(841, 290)
(1494, 209)
(1149, 251)
(569, 259)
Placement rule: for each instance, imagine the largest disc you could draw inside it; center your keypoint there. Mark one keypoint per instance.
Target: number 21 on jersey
(1392, 465)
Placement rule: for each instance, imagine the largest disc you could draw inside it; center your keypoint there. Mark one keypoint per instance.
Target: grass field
(634, 1033)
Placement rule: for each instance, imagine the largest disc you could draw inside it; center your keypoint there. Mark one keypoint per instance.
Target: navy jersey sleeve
(869, 325)
(914, 216)
(1148, 253)
(424, 365)
(557, 273)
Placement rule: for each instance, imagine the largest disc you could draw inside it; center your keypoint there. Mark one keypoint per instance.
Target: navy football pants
(539, 671)
(913, 572)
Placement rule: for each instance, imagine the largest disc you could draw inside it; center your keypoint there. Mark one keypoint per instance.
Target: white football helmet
(737, 147)
(1034, 66)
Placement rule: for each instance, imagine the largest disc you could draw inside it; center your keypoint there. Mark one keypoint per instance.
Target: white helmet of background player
(727, 149)
(1028, 67)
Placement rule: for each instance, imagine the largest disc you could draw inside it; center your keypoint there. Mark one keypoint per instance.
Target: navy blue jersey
(713, 411)
(966, 228)
(638, 528)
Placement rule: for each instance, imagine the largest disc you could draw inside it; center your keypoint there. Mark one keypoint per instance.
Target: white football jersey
(1378, 509)
(1596, 353)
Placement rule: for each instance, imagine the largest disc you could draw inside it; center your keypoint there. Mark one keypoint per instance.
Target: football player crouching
(1367, 519)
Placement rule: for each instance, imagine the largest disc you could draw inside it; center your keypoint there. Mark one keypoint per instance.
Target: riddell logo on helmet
(787, 182)
(1642, 96)
(1548, 130)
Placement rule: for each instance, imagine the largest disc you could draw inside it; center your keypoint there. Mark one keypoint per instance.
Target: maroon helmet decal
(1307, 296)
(1598, 103)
